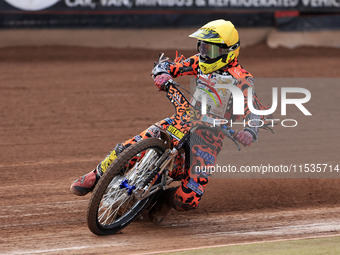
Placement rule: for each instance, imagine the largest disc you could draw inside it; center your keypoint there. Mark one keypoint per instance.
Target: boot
(85, 183)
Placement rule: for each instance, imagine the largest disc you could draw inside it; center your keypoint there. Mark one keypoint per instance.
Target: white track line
(47, 250)
(60, 249)
(234, 244)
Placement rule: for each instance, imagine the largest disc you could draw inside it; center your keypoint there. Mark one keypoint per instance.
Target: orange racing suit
(205, 143)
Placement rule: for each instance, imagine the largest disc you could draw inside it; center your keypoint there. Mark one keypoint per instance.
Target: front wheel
(113, 205)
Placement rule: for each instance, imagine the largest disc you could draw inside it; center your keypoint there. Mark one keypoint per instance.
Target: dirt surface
(64, 108)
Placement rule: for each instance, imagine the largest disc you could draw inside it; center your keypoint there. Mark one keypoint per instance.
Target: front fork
(161, 170)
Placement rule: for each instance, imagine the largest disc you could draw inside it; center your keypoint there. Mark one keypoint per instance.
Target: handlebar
(170, 82)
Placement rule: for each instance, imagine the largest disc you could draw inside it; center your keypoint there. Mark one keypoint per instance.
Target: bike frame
(182, 122)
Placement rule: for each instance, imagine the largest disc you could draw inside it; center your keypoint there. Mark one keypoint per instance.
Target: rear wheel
(113, 205)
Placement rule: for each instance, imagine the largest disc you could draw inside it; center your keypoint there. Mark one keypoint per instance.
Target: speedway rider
(215, 66)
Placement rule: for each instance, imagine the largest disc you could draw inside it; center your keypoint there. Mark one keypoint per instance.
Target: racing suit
(205, 143)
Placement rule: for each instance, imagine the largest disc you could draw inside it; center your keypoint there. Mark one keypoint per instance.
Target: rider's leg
(204, 147)
(87, 182)
(183, 198)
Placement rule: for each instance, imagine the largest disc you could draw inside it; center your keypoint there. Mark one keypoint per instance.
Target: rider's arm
(246, 80)
(185, 67)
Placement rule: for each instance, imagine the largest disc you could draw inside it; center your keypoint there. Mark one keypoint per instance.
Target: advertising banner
(151, 13)
(112, 5)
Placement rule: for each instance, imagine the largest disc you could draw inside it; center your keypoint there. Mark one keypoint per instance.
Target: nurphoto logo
(238, 106)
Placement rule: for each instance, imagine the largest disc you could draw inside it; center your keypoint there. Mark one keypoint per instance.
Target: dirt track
(63, 109)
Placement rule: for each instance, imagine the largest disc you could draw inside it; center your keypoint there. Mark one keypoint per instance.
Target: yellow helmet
(218, 44)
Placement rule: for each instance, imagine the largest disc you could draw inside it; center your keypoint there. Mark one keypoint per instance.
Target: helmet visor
(208, 50)
(207, 35)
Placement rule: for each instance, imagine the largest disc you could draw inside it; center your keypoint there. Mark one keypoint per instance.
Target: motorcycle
(140, 172)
